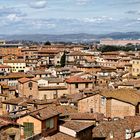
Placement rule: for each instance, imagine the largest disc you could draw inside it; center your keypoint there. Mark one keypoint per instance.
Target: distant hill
(81, 37)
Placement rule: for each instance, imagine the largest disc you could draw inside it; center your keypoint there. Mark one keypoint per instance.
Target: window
(86, 86)
(50, 123)
(55, 95)
(137, 70)
(103, 99)
(7, 107)
(76, 85)
(45, 97)
(91, 110)
(28, 129)
(30, 85)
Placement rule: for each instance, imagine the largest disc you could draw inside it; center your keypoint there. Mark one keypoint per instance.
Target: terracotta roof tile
(14, 61)
(6, 122)
(76, 79)
(79, 53)
(5, 66)
(87, 116)
(116, 127)
(16, 75)
(127, 95)
(53, 88)
(16, 101)
(24, 80)
(66, 110)
(77, 126)
(44, 113)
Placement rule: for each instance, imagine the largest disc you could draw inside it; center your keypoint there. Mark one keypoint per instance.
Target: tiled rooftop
(76, 79)
(87, 116)
(77, 126)
(126, 95)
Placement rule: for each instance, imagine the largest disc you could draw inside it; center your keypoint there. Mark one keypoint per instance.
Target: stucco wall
(93, 102)
(37, 124)
(121, 109)
(25, 90)
(72, 89)
(50, 94)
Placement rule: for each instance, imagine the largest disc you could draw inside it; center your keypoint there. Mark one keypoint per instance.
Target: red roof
(76, 79)
(6, 122)
(23, 80)
(5, 66)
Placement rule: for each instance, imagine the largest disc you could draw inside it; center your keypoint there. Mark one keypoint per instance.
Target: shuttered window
(50, 123)
(28, 129)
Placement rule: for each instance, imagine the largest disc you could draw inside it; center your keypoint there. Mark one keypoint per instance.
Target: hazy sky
(69, 16)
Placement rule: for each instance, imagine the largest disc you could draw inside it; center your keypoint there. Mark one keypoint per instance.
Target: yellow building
(135, 66)
(17, 65)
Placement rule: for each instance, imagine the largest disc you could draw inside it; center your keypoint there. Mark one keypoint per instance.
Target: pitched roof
(116, 127)
(14, 61)
(16, 101)
(24, 80)
(44, 113)
(37, 72)
(52, 88)
(53, 79)
(65, 110)
(79, 53)
(16, 75)
(87, 116)
(110, 53)
(48, 51)
(77, 126)
(5, 66)
(76, 79)
(127, 95)
(5, 122)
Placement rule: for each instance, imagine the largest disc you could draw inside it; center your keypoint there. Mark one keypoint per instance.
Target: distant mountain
(81, 37)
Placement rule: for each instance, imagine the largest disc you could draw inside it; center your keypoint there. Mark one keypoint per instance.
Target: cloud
(42, 24)
(10, 14)
(14, 17)
(5, 11)
(38, 4)
(82, 2)
(66, 25)
(100, 19)
(133, 12)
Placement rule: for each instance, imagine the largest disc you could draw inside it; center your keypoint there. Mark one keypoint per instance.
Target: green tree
(63, 60)
(47, 43)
